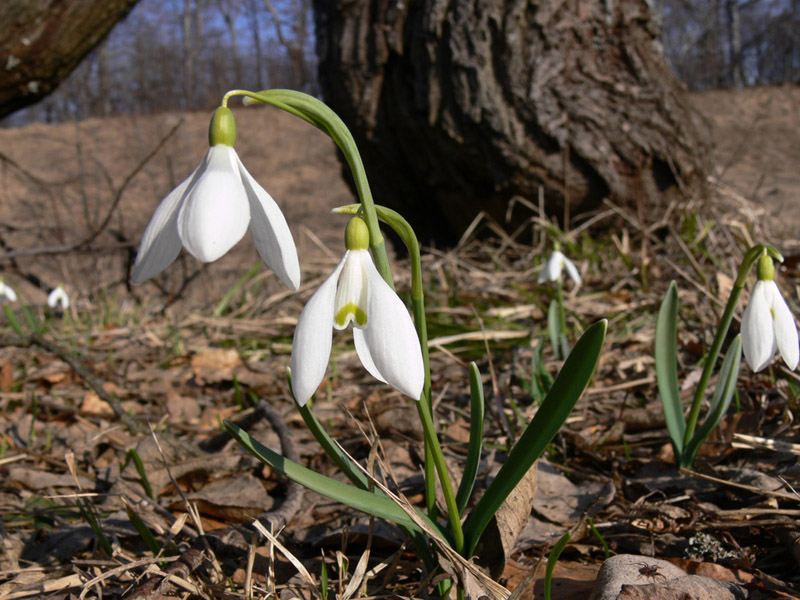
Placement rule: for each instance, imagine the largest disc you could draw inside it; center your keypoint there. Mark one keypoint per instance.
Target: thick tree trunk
(41, 41)
(460, 105)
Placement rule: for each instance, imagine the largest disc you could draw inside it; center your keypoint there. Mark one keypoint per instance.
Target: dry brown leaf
(213, 365)
(93, 404)
(6, 377)
(500, 536)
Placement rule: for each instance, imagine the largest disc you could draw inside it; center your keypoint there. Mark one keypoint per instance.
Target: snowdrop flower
(767, 323)
(6, 292)
(210, 211)
(58, 296)
(384, 334)
(552, 269)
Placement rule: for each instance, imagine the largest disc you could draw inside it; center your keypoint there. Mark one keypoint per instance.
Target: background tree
(460, 106)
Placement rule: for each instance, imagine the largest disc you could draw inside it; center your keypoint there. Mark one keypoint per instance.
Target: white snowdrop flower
(767, 323)
(209, 212)
(58, 297)
(384, 334)
(7, 293)
(555, 264)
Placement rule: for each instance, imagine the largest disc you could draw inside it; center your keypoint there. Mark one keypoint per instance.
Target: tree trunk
(459, 106)
(42, 41)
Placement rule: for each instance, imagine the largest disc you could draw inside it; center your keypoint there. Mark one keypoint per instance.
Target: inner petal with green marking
(350, 305)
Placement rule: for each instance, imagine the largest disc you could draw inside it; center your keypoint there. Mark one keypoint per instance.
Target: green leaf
(371, 503)
(137, 462)
(551, 563)
(13, 320)
(720, 401)
(666, 355)
(567, 389)
(554, 328)
(143, 530)
(475, 438)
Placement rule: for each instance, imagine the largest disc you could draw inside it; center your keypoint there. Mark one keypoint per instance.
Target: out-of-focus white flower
(58, 296)
(6, 292)
(384, 334)
(555, 264)
(209, 212)
(768, 324)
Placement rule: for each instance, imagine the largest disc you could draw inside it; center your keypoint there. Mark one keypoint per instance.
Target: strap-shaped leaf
(720, 401)
(371, 503)
(666, 354)
(567, 389)
(475, 438)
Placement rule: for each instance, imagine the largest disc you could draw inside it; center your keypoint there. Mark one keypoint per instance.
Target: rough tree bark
(42, 41)
(460, 105)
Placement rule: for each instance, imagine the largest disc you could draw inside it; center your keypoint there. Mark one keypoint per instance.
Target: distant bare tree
(42, 41)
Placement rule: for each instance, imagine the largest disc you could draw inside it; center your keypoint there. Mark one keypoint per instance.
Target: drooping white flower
(555, 264)
(768, 324)
(7, 292)
(209, 212)
(58, 297)
(383, 332)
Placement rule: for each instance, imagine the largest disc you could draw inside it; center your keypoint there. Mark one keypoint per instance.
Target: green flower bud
(356, 236)
(766, 268)
(222, 129)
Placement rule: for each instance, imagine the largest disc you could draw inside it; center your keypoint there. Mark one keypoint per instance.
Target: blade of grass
(551, 563)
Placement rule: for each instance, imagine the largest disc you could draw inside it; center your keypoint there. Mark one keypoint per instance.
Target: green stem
(320, 115)
(749, 260)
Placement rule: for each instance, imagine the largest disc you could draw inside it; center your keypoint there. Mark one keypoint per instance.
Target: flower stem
(321, 116)
(748, 261)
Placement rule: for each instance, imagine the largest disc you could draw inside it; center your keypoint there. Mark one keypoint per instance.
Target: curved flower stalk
(7, 293)
(555, 265)
(58, 297)
(384, 335)
(767, 323)
(209, 212)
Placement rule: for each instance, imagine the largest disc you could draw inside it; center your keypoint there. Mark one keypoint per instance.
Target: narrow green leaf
(551, 563)
(475, 438)
(137, 462)
(720, 401)
(323, 579)
(13, 320)
(554, 328)
(567, 389)
(31, 320)
(666, 355)
(371, 503)
(331, 448)
(143, 530)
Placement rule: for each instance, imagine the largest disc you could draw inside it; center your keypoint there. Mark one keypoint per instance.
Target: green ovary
(351, 308)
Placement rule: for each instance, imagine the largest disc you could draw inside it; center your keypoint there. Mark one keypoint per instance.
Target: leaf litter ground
(156, 369)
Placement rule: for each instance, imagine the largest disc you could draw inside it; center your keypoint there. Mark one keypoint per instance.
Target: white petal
(785, 328)
(758, 336)
(311, 347)
(572, 271)
(7, 293)
(161, 243)
(362, 349)
(391, 350)
(216, 212)
(270, 232)
(552, 268)
(58, 296)
(350, 305)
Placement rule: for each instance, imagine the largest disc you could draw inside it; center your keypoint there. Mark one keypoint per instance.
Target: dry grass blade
(296, 563)
(47, 587)
(123, 569)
